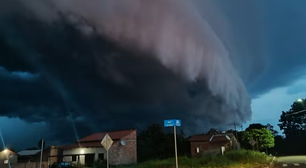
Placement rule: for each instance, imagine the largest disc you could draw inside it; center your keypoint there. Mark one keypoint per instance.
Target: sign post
(174, 123)
(41, 144)
(252, 142)
(107, 143)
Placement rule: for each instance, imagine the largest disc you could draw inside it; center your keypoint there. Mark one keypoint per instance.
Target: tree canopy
(264, 137)
(293, 125)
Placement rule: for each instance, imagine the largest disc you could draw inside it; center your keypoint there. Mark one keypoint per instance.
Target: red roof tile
(220, 138)
(211, 138)
(115, 135)
(200, 138)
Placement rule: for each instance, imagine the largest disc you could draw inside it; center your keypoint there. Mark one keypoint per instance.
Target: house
(27, 155)
(89, 149)
(205, 144)
(50, 155)
(7, 156)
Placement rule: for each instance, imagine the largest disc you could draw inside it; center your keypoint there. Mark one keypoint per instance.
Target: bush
(230, 159)
(246, 156)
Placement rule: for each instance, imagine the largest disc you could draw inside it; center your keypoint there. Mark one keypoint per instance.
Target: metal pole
(257, 145)
(175, 147)
(41, 152)
(107, 158)
(107, 162)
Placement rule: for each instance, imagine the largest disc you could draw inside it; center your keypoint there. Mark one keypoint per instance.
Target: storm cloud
(104, 65)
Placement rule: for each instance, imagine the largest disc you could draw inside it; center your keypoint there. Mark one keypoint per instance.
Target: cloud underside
(53, 73)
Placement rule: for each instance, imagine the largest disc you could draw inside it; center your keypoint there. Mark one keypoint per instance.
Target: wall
(207, 148)
(124, 154)
(67, 154)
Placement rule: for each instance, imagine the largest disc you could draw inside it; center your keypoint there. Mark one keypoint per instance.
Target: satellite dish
(122, 143)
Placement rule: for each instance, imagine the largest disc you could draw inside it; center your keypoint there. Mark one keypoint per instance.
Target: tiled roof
(200, 138)
(28, 152)
(212, 138)
(220, 138)
(115, 135)
(94, 140)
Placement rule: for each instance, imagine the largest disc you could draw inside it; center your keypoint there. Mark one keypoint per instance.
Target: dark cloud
(269, 40)
(90, 84)
(54, 73)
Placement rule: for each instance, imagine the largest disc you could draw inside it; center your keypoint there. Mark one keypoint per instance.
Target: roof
(84, 145)
(220, 138)
(8, 151)
(201, 137)
(28, 152)
(94, 140)
(212, 138)
(115, 135)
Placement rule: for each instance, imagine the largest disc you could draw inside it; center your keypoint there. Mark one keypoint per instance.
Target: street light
(299, 100)
(5, 150)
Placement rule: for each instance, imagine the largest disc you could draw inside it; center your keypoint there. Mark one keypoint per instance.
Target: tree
(259, 126)
(293, 125)
(264, 137)
(212, 131)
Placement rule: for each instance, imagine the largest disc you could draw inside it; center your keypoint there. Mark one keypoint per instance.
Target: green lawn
(232, 159)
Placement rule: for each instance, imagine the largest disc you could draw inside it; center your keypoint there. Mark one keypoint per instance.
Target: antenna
(123, 143)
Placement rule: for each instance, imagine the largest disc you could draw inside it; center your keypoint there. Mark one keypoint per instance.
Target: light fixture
(5, 151)
(82, 151)
(299, 100)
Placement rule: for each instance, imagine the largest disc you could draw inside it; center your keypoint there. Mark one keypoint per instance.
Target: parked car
(61, 165)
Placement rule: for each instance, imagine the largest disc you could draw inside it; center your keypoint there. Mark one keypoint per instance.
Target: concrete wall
(81, 152)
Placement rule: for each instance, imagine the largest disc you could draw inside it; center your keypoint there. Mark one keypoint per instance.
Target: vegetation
(154, 143)
(232, 159)
(293, 125)
(263, 136)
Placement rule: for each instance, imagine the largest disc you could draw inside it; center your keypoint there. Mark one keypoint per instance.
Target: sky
(110, 65)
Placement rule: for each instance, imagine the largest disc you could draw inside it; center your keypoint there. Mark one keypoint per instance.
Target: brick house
(205, 144)
(89, 149)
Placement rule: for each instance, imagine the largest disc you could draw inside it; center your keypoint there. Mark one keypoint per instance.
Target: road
(290, 162)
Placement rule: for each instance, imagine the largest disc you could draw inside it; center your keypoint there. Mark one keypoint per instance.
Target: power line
(294, 113)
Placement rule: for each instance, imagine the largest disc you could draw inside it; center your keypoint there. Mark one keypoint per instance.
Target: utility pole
(236, 131)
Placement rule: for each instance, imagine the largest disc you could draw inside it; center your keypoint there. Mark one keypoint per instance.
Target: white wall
(81, 152)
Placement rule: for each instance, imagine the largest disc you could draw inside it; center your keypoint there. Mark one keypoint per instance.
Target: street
(290, 162)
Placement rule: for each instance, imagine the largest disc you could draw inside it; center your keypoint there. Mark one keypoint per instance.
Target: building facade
(8, 157)
(88, 150)
(212, 144)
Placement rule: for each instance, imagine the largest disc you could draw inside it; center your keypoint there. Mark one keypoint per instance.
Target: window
(197, 149)
(74, 158)
(101, 156)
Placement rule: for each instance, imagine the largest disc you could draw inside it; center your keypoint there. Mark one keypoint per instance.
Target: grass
(232, 159)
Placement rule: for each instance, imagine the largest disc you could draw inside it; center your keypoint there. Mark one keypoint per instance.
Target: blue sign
(172, 123)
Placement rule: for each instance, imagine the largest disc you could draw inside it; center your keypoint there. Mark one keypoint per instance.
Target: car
(61, 165)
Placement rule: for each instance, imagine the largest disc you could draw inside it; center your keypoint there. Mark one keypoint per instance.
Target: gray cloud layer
(53, 72)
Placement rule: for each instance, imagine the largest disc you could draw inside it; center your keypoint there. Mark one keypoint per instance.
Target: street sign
(107, 142)
(172, 123)
(252, 142)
